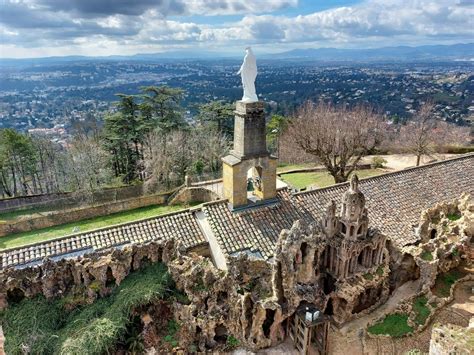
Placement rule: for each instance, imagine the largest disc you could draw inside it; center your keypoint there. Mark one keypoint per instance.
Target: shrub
(426, 255)
(232, 342)
(379, 271)
(378, 162)
(454, 216)
(368, 276)
(394, 325)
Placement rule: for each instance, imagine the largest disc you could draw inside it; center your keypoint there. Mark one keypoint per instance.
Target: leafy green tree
(161, 108)
(122, 137)
(218, 115)
(18, 162)
(156, 108)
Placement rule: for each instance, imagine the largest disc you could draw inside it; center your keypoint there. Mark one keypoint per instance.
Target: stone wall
(77, 214)
(321, 168)
(193, 194)
(59, 200)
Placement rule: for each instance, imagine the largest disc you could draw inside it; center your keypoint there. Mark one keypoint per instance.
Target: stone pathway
(402, 293)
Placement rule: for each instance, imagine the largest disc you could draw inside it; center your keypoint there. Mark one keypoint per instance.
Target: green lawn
(321, 178)
(395, 325)
(422, 311)
(39, 235)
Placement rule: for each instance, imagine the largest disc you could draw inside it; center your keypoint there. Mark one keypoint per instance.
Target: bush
(454, 216)
(232, 342)
(368, 276)
(378, 162)
(426, 255)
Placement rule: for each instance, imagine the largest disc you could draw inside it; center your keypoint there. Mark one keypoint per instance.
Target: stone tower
(249, 154)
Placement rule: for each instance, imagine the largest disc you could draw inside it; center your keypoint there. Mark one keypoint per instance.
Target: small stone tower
(249, 154)
(353, 220)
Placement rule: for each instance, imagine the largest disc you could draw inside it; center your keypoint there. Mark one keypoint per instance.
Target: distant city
(50, 97)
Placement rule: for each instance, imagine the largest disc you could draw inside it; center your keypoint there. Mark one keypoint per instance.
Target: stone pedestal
(250, 152)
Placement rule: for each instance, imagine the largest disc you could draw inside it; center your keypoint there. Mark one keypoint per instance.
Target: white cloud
(87, 27)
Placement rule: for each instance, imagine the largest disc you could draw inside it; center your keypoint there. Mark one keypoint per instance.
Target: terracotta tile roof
(394, 202)
(253, 230)
(181, 225)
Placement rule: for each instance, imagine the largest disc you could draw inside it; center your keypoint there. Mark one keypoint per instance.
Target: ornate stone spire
(353, 219)
(329, 222)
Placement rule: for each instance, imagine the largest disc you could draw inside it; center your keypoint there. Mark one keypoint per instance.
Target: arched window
(359, 231)
(352, 231)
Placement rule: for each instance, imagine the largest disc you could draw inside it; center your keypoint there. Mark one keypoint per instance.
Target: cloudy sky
(34, 28)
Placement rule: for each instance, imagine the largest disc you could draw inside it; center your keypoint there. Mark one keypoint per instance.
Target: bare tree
(337, 136)
(425, 135)
(87, 165)
(419, 135)
(168, 157)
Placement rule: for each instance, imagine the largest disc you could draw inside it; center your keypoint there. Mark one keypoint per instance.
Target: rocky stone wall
(446, 233)
(452, 339)
(93, 275)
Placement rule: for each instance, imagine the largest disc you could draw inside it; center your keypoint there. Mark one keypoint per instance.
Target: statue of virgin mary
(248, 72)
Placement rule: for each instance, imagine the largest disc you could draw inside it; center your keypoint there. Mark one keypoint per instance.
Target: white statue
(248, 71)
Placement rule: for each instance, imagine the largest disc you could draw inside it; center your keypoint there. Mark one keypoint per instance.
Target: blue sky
(32, 28)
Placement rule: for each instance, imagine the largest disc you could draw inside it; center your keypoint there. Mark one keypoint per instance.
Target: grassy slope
(322, 178)
(26, 238)
(51, 327)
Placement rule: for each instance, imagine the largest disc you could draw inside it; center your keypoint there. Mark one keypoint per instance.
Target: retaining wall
(59, 200)
(77, 214)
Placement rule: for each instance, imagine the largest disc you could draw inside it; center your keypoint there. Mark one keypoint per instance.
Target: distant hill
(401, 53)
(435, 52)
